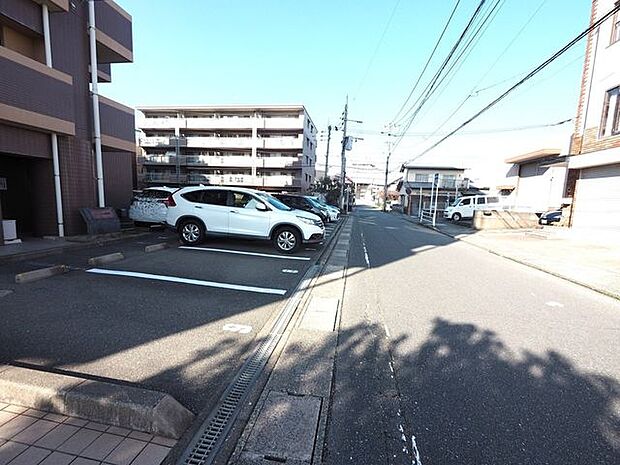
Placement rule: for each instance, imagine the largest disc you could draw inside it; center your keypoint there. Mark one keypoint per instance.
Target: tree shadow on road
(469, 399)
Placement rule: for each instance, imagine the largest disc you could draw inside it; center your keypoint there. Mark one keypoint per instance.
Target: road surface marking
(387, 330)
(195, 282)
(552, 303)
(365, 251)
(235, 328)
(285, 270)
(416, 452)
(239, 252)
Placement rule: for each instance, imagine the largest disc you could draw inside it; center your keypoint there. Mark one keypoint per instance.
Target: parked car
(200, 211)
(302, 202)
(333, 213)
(553, 216)
(147, 205)
(464, 207)
(396, 207)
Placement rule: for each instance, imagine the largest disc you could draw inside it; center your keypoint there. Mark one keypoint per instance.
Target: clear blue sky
(315, 52)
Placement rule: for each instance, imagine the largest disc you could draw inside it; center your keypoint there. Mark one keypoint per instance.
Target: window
(241, 200)
(480, 200)
(421, 177)
(610, 123)
(465, 202)
(214, 197)
(615, 28)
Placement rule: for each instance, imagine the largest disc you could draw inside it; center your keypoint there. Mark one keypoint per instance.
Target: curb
(525, 263)
(156, 247)
(41, 273)
(123, 406)
(68, 245)
(103, 259)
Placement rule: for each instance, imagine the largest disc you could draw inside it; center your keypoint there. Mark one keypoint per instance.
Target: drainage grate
(208, 439)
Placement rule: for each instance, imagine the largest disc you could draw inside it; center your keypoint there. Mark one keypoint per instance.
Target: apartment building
(48, 152)
(593, 179)
(270, 147)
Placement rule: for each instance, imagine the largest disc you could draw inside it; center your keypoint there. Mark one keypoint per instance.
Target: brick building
(48, 167)
(594, 166)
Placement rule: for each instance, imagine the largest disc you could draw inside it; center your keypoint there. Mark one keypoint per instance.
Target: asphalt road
(178, 320)
(480, 359)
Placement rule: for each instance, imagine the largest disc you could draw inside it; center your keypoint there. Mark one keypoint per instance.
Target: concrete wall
(503, 219)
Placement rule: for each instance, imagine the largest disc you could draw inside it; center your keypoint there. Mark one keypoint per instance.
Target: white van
(464, 207)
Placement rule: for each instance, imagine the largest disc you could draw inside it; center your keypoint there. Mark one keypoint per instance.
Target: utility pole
(387, 167)
(329, 136)
(343, 171)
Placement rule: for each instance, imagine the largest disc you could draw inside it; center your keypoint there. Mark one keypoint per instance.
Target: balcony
(281, 142)
(157, 159)
(117, 125)
(226, 122)
(279, 162)
(281, 123)
(246, 180)
(279, 181)
(114, 35)
(161, 123)
(219, 142)
(35, 95)
(227, 161)
(157, 141)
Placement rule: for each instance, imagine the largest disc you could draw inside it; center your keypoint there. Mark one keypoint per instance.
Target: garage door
(597, 198)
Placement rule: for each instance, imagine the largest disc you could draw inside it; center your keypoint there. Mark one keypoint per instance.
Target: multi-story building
(271, 147)
(594, 166)
(48, 151)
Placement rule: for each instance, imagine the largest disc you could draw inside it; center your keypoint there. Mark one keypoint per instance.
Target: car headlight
(306, 220)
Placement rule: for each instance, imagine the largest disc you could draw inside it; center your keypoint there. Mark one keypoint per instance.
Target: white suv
(198, 211)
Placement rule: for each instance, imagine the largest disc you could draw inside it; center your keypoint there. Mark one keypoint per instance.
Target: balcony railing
(281, 142)
(219, 142)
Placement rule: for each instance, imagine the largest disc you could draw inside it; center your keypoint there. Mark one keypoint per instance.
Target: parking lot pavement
(187, 338)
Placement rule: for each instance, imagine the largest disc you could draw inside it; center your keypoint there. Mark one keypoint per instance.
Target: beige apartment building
(594, 165)
(271, 147)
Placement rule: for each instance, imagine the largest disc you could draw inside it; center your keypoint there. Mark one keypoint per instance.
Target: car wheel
(456, 217)
(191, 232)
(287, 240)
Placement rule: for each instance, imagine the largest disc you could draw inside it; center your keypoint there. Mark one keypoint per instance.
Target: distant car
(302, 202)
(396, 207)
(147, 205)
(332, 212)
(553, 216)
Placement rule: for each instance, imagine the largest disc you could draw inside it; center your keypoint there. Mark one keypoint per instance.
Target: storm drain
(208, 439)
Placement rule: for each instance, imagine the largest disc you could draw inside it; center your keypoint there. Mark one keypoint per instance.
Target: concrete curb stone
(103, 259)
(41, 273)
(123, 406)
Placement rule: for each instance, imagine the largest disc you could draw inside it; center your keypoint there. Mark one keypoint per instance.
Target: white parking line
(195, 282)
(207, 249)
(285, 270)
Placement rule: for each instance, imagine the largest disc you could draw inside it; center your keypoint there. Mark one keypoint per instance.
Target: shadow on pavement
(467, 399)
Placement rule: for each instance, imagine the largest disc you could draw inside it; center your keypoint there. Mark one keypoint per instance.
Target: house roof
(431, 168)
(531, 156)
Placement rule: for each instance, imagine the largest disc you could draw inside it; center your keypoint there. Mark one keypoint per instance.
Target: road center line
(365, 251)
(256, 254)
(195, 282)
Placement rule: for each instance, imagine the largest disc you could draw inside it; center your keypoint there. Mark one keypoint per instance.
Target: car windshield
(275, 202)
(315, 202)
(455, 203)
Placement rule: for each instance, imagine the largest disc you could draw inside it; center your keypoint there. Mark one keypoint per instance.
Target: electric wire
(531, 74)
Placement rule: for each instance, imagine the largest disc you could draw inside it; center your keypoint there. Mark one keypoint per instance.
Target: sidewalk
(584, 260)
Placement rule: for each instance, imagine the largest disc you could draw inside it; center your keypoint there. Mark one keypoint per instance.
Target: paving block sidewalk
(583, 260)
(35, 437)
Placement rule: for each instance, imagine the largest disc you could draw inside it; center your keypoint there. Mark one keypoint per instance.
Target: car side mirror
(261, 207)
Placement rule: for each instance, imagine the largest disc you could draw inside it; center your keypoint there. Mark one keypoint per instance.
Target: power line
(446, 60)
(535, 71)
(481, 28)
(415, 86)
(472, 92)
(374, 55)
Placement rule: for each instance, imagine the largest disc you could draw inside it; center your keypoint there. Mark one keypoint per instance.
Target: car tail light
(169, 202)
